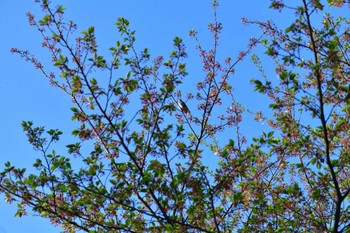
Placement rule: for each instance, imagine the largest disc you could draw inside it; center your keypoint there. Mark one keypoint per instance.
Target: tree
(146, 171)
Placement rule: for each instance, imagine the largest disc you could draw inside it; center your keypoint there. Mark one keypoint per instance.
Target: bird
(183, 107)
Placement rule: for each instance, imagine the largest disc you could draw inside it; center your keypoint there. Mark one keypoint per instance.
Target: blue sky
(26, 95)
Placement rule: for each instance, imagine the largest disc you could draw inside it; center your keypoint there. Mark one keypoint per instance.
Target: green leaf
(75, 132)
(93, 81)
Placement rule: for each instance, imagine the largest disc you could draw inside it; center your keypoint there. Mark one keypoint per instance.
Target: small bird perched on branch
(183, 107)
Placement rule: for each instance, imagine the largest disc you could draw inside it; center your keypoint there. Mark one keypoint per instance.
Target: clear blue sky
(26, 95)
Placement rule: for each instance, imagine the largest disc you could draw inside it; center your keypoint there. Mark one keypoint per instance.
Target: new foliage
(146, 170)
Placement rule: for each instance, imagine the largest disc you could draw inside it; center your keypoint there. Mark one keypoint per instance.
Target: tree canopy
(153, 158)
